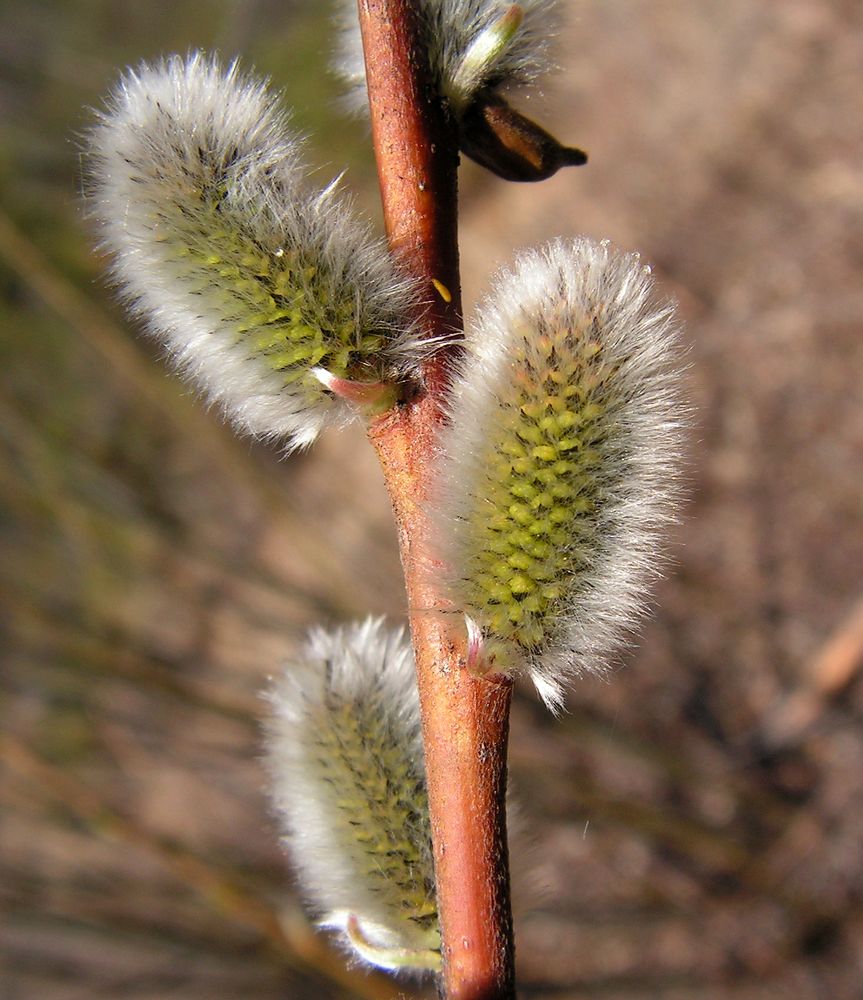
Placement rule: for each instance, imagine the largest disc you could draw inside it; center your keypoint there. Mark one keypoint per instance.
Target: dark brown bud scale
(504, 141)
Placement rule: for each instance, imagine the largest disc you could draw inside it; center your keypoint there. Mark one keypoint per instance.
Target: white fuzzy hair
(586, 290)
(344, 752)
(452, 27)
(183, 127)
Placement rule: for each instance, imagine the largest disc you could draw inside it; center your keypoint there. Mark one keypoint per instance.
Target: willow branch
(465, 718)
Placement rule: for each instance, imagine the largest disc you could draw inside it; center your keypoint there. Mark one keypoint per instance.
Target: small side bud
(249, 277)
(558, 467)
(369, 397)
(344, 752)
(504, 141)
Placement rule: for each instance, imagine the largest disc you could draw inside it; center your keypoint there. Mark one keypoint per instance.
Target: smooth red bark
(465, 718)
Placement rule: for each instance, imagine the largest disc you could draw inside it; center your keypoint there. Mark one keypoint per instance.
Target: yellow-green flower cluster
(556, 465)
(254, 282)
(543, 477)
(345, 756)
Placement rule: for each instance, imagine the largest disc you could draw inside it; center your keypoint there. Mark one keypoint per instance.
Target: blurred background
(694, 823)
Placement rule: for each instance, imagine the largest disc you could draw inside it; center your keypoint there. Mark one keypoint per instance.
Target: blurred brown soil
(693, 823)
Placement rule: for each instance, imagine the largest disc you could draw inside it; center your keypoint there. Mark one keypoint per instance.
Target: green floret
(532, 521)
(285, 304)
(382, 807)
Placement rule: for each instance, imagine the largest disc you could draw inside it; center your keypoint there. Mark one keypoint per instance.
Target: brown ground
(696, 821)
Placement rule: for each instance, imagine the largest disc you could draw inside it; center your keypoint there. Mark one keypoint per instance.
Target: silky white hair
(452, 28)
(247, 276)
(344, 753)
(552, 492)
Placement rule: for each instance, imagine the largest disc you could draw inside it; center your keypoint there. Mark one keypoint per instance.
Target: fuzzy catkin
(249, 277)
(558, 466)
(451, 28)
(344, 751)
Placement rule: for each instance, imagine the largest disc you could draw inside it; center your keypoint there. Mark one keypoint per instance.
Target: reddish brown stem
(465, 718)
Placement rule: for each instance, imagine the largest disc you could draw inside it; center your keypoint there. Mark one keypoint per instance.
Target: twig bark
(465, 718)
